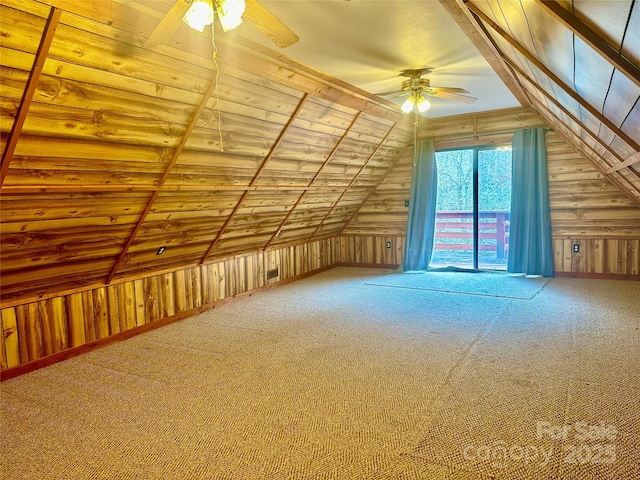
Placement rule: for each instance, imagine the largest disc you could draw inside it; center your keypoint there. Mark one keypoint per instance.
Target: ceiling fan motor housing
(416, 84)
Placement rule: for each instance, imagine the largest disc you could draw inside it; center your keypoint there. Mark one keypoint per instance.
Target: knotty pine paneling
(31, 331)
(616, 256)
(370, 250)
(584, 203)
(586, 207)
(597, 256)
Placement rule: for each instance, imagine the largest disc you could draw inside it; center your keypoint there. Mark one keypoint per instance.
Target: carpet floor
(488, 284)
(339, 377)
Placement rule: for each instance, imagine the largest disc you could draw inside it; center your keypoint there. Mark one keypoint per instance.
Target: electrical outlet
(576, 248)
(388, 244)
(406, 203)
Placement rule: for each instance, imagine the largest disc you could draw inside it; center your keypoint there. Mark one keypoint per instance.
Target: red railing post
(500, 235)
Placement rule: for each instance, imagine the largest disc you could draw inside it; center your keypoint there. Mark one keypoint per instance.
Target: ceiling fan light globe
(230, 13)
(199, 15)
(407, 106)
(423, 104)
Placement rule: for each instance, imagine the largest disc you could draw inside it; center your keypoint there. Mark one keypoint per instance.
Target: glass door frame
(476, 192)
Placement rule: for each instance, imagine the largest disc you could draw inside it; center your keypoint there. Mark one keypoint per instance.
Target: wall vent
(272, 273)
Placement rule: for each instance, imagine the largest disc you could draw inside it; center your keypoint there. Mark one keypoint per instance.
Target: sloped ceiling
(367, 43)
(578, 64)
(112, 150)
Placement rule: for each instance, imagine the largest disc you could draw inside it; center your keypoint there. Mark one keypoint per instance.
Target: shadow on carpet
(487, 284)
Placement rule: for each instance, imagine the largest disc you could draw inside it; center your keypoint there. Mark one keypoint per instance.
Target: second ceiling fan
(417, 87)
(230, 14)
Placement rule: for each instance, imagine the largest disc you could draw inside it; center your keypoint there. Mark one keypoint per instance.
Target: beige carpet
(332, 378)
(488, 284)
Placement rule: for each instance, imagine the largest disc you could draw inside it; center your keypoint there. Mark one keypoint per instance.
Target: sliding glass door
(472, 222)
(454, 212)
(494, 200)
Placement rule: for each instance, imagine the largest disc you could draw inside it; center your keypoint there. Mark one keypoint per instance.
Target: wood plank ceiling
(112, 150)
(578, 63)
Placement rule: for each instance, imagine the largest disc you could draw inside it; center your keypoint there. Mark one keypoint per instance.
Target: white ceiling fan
(417, 87)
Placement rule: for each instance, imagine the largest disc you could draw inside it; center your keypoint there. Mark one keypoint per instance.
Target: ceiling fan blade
(452, 96)
(269, 24)
(450, 90)
(398, 95)
(168, 24)
(391, 92)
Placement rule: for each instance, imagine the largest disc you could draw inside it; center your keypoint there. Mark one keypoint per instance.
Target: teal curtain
(422, 208)
(530, 246)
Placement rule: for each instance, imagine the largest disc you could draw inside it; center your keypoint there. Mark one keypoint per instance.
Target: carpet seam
(452, 291)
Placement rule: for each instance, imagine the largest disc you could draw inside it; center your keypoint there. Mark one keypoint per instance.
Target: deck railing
(454, 232)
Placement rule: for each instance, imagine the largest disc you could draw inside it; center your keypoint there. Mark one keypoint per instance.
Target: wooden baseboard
(90, 346)
(367, 265)
(598, 276)
(118, 337)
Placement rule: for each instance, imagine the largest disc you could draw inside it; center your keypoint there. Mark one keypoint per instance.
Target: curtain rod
(444, 139)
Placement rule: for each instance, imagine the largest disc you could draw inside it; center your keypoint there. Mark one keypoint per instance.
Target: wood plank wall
(369, 250)
(587, 208)
(68, 322)
(590, 211)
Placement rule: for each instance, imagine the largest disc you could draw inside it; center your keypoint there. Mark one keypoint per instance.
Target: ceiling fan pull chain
(215, 62)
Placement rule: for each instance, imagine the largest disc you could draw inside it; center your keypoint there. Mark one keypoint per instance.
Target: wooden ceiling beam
(223, 228)
(375, 152)
(315, 177)
(484, 44)
(30, 88)
(579, 144)
(163, 179)
(279, 229)
(279, 68)
(371, 192)
(353, 180)
(632, 160)
(274, 147)
(573, 139)
(278, 141)
(335, 148)
(566, 111)
(592, 39)
(568, 90)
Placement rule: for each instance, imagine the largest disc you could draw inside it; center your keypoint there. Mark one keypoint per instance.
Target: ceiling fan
(417, 87)
(199, 13)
